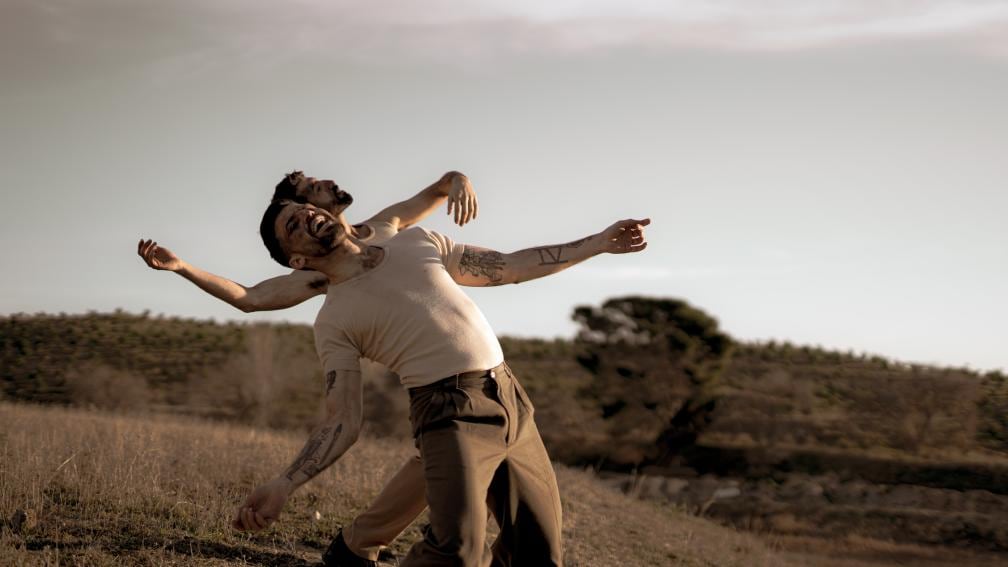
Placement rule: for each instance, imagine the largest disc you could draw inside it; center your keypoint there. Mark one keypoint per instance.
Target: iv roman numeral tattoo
(550, 255)
(553, 255)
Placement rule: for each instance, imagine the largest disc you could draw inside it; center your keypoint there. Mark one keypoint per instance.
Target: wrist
(287, 485)
(598, 243)
(182, 268)
(445, 184)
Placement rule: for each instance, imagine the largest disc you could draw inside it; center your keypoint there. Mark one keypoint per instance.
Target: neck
(349, 259)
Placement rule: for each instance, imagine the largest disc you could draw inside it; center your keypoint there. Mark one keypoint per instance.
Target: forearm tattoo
(553, 255)
(318, 453)
(483, 264)
(549, 255)
(330, 381)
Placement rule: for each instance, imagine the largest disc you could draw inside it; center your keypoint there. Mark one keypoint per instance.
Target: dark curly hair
(287, 188)
(267, 230)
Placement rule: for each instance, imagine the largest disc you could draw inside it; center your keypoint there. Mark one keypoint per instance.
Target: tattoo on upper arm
(317, 453)
(487, 264)
(330, 381)
(550, 255)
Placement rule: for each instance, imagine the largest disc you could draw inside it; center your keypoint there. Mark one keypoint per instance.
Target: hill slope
(106, 490)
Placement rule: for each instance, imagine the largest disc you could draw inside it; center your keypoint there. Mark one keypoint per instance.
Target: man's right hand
(263, 506)
(462, 201)
(158, 257)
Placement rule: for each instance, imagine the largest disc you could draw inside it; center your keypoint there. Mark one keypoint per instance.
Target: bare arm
(280, 292)
(326, 444)
(344, 400)
(453, 186)
(483, 267)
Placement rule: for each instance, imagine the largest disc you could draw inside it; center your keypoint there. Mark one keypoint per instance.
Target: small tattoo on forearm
(578, 243)
(549, 255)
(487, 264)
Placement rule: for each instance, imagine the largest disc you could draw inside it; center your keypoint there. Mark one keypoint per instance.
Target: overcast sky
(827, 172)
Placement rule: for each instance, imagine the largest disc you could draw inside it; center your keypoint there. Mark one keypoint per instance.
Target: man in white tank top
(400, 304)
(402, 498)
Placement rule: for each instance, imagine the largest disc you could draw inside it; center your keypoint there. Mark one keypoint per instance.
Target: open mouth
(319, 224)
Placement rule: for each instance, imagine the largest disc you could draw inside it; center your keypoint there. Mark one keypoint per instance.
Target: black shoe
(339, 555)
(387, 559)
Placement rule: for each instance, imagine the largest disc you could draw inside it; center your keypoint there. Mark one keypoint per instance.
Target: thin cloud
(116, 33)
(453, 28)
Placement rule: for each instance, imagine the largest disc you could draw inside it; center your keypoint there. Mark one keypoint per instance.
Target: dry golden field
(100, 489)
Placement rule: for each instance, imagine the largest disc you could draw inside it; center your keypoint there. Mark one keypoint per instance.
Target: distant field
(110, 490)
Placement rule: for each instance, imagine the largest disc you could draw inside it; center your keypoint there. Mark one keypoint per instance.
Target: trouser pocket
(438, 407)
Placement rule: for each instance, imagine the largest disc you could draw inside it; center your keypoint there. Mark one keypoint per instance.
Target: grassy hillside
(768, 396)
(106, 490)
(877, 448)
(781, 394)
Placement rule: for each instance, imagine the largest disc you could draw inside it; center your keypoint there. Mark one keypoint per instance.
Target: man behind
(400, 304)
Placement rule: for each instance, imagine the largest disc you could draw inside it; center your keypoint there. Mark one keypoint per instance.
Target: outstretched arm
(280, 292)
(326, 444)
(453, 186)
(483, 267)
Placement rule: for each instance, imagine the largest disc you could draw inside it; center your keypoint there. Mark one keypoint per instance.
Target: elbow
(245, 306)
(351, 432)
(350, 428)
(511, 272)
(253, 299)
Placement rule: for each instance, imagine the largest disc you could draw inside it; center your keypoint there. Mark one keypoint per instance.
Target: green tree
(655, 363)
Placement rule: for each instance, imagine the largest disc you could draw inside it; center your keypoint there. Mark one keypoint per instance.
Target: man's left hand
(263, 506)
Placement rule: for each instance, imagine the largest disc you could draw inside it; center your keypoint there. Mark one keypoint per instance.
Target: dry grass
(112, 490)
(856, 551)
